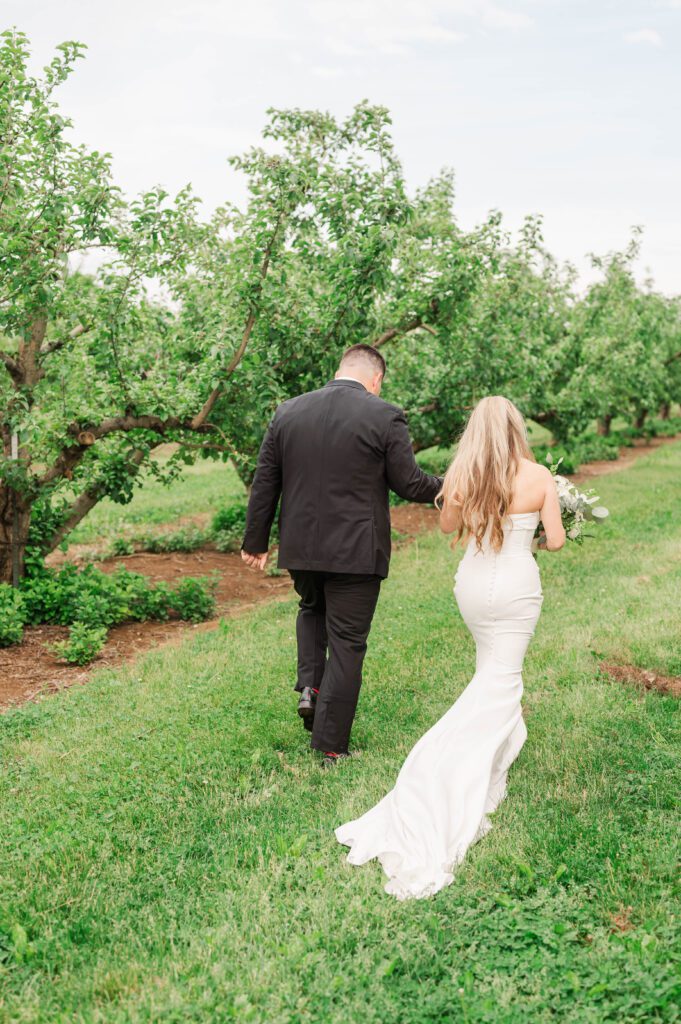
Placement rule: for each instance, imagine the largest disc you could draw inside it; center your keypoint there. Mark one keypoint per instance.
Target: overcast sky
(568, 108)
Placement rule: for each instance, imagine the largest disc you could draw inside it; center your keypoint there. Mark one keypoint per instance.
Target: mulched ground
(643, 678)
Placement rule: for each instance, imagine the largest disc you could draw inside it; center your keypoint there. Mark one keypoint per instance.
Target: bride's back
(529, 488)
(493, 476)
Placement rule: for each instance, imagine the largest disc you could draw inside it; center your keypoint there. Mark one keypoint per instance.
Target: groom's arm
(265, 492)
(405, 476)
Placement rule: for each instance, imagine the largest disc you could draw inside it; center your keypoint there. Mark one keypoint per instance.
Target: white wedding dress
(455, 776)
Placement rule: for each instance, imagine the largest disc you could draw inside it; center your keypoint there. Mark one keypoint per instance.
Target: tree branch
(208, 446)
(28, 353)
(71, 455)
(123, 424)
(55, 346)
(85, 502)
(672, 359)
(542, 417)
(64, 464)
(393, 332)
(12, 367)
(205, 412)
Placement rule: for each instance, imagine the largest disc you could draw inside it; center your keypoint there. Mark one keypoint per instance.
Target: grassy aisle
(167, 847)
(204, 488)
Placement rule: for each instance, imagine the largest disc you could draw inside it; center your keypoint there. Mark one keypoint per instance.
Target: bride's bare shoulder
(534, 470)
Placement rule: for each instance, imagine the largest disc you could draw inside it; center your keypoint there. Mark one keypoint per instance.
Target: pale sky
(568, 108)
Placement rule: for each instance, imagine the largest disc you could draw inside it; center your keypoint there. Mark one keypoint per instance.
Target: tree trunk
(603, 425)
(15, 518)
(665, 410)
(640, 419)
(558, 427)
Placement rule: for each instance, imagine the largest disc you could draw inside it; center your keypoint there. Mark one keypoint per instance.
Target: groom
(332, 456)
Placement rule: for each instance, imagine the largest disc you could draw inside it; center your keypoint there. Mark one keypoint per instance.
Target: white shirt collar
(355, 379)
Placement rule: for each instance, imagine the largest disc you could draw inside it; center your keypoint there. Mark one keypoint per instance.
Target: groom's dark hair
(365, 352)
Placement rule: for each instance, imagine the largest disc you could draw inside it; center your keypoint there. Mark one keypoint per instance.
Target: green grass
(204, 488)
(168, 850)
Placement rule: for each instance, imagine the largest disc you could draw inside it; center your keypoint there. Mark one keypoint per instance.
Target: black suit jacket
(333, 455)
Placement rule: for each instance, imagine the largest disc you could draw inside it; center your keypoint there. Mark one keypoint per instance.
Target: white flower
(576, 507)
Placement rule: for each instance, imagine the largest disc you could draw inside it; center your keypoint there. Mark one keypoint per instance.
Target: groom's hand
(254, 561)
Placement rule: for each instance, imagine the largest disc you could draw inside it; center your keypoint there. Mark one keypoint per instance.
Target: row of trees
(191, 330)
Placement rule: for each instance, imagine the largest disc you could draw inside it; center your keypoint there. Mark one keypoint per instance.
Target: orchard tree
(95, 373)
(502, 329)
(346, 205)
(517, 339)
(613, 369)
(362, 262)
(672, 360)
(438, 271)
(659, 330)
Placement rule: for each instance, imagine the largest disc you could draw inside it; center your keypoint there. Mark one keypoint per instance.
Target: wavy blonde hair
(481, 476)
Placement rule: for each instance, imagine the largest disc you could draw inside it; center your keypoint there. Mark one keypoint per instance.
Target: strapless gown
(455, 776)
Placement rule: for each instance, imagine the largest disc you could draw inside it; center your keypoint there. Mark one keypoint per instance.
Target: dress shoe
(331, 759)
(307, 705)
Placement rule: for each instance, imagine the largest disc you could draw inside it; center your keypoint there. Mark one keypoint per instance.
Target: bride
(495, 494)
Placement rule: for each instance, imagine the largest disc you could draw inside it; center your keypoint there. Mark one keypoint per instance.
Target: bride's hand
(539, 542)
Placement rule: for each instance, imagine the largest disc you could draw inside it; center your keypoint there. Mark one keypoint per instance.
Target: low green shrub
(552, 453)
(84, 643)
(187, 539)
(12, 616)
(232, 517)
(627, 436)
(194, 598)
(593, 447)
(435, 460)
(96, 600)
(667, 428)
(228, 527)
(121, 546)
(48, 595)
(589, 447)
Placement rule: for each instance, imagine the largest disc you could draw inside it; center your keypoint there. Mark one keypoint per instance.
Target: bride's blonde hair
(480, 478)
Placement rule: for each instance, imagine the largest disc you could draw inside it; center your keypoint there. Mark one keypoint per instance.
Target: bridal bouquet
(578, 508)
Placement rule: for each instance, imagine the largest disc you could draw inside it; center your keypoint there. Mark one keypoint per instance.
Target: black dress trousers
(334, 620)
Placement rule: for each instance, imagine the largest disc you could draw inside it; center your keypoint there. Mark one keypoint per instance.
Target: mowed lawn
(167, 837)
(204, 488)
